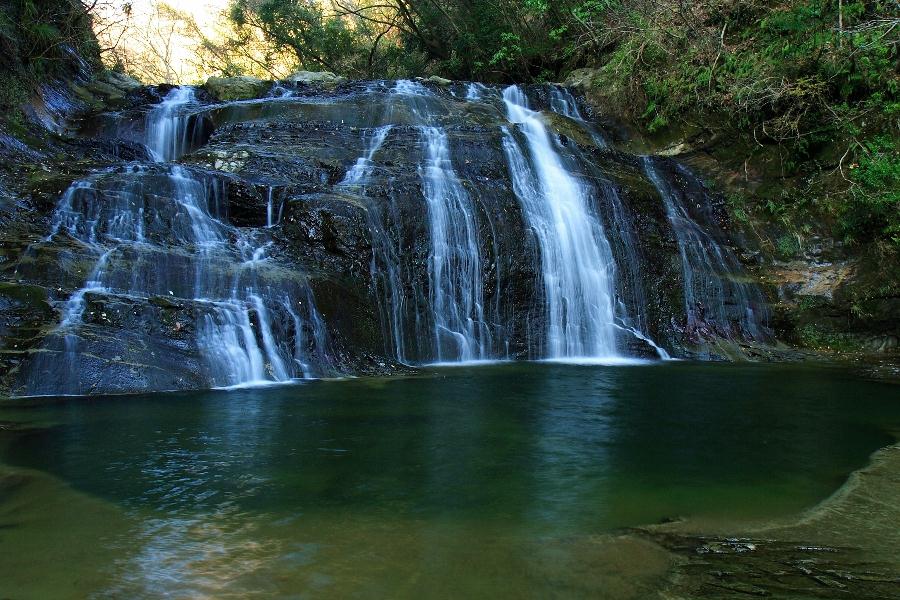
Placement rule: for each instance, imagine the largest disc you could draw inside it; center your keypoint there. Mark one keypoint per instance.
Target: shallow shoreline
(845, 547)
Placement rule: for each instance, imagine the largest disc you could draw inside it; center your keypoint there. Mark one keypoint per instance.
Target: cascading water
(459, 329)
(158, 233)
(486, 235)
(461, 332)
(577, 266)
(563, 102)
(413, 96)
(475, 91)
(631, 301)
(273, 211)
(168, 130)
(384, 266)
(360, 171)
(716, 301)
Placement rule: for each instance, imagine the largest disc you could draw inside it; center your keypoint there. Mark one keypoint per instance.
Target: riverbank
(846, 547)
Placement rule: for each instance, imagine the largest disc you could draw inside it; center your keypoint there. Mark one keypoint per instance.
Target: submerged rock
(843, 548)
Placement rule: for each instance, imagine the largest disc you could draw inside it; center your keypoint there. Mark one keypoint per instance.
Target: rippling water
(497, 481)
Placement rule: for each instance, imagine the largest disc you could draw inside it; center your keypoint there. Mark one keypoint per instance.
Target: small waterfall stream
(459, 328)
(577, 266)
(461, 332)
(562, 102)
(716, 300)
(359, 174)
(162, 232)
(384, 266)
(168, 132)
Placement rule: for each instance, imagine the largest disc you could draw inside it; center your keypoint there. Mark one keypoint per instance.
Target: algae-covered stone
(320, 77)
(582, 78)
(106, 89)
(236, 88)
(120, 81)
(439, 81)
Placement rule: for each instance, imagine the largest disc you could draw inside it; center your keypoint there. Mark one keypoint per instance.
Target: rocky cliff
(185, 238)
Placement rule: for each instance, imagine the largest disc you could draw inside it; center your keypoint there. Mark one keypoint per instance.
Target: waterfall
(158, 232)
(461, 332)
(631, 301)
(459, 329)
(562, 102)
(475, 230)
(577, 266)
(364, 166)
(384, 265)
(169, 130)
(716, 301)
(415, 97)
(475, 91)
(408, 87)
(273, 217)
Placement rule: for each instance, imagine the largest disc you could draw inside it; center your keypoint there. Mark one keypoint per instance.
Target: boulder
(319, 77)
(106, 90)
(123, 82)
(439, 81)
(236, 88)
(582, 79)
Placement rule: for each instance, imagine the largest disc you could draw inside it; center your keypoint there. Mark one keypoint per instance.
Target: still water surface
(495, 481)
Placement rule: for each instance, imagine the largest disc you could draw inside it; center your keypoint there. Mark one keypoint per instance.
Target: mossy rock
(565, 126)
(227, 89)
(439, 81)
(326, 78)
(120, 81)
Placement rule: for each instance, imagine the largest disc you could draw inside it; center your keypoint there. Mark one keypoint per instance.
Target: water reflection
(503, 478)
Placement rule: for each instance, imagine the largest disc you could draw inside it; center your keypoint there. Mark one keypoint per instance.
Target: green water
(495, 481)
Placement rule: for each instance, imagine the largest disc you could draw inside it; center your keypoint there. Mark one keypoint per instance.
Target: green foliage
(820, 337)
(510, 50)
(788, 246)
(38, 41)
(318, 40)
(40, 35)
(873, 211)
(807, 76)
(738, 208)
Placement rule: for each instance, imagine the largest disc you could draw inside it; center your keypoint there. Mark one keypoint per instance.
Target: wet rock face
(125, 346)
(332, 225)
(316, 220)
